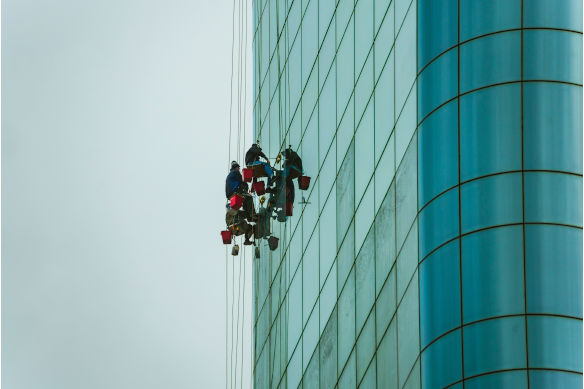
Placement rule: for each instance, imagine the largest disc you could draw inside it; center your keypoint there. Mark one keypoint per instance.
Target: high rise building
(440, 241)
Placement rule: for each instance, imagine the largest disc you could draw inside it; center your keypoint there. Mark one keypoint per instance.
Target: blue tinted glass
(364, 89)
(552, 126)
(555, 342)
(405, 65)
(346, 256)
(407, 260)
(494, 345)
(552, 55)
(480, 17)
(365, 345)
(380, 10)
(507, 380)
(385, 238)
(364, 157)
(490, 60)
(408, 331)
(346, 320)
(384, 42)
(365, 279)
(346, 128)
(387, 359)
(442, 362)
(310, 284)
(490, 131)
(384, 118)
(492, 273)
(541, 379)
(326, 55)
(348, 380)
(385, 305)
(405, 126)
(553, 260)
(438, 83)
(553, 198)
(345, 70)
(328, 351)
(439, 222)
(345, 194)
(491, 201)
(437, 28)
(363, 32)
(327, 121)
(437, 153)
(440, 292)
(309, 39)
(562, 14)
(406, 183)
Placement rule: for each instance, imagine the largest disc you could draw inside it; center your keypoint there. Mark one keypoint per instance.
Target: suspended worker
(234, 185)
(252, 157)
(236, 223)
(292, 161)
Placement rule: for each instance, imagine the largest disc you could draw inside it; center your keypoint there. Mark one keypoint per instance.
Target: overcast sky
(115, 126)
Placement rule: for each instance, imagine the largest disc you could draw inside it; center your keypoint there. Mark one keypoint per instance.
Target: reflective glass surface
(407, 261)
(506, 380)
(366, 346)
(491, 201)
(384, 43)
(385, 238)
(492, 273)
(553, 265)
(552, 127)
(438, 153)
(438, 222)
(480, 17)
(406, 203)
(553, 198)
(346, 318)
(490, 60)
(440, 292)
(437, 28)
(494, 345)
(438, 83)
(365, 280)
(442, 362)
(363, 32)
(345, 194)
(561, 14)
(552, 55)
(542, 379)
(490, 131)
(387, 359)
(555, 342)
(408, 346)
(405, 49)
(384, 117)
(328, 352)
(385, 305)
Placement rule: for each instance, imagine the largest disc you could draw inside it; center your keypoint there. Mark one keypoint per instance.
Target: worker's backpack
(293, 159)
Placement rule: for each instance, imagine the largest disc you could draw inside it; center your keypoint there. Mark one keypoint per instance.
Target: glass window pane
(541, 379)
(380, 11)
(365, 279)
(494, 345)
(364, 89)
(369, 381)
(364, 217)
(439, 222)
(480, 17)
(438, 153)
(328, 352)
(552, 55)
(328, 296)
(384, 118)
(562, 14)
(440, 292)
(345, 194)
(294, 369)
(385, 173)
(385, 306)
(326, 9)
(328, 244)
(310, 284)
(309, 103)
(437, 28)
(348, 380)
(406, 188)
(490, 60)
(364, 158)
(553, 198)
(438, 83)
(344, 12)
(552, 126)
(385, 238)
(326, 54)
(363, 32)
(346, 320)
(310, 379)
(490, 131)
(407, 260)
(309, 39)
(401, 8)
(555, 342)
(387, 359)
(405, 126)
(327, 121)
(346, 129)
(553, 256)
(442, 362)
(405, 50)
(492, 273)
(408, 347)
(506, 380)
(414, 380)
(491, 201)
(345, 69)
(384, 42)
(365, 346)
(346, 256)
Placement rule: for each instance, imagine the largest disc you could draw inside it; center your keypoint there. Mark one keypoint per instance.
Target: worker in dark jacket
(252, 157)
(234, 184)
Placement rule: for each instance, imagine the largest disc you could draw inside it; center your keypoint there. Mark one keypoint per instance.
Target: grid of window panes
(441, 240)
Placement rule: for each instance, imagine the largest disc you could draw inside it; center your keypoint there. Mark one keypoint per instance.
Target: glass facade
(440, 243)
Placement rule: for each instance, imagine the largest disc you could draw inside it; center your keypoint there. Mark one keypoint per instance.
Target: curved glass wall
(440, 243)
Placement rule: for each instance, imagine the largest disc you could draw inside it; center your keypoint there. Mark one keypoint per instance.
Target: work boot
(247, 242)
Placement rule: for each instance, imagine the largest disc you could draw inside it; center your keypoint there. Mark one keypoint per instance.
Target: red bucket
(236, 202)
(303, 182)
(259, 188)
(273, 243)
(226, 236)
(289, 207)
(247, 175)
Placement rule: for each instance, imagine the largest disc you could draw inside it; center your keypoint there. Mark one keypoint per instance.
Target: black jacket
(254, 154)
(292, 159)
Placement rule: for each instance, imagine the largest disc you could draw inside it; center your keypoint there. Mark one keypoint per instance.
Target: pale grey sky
(115, 123)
